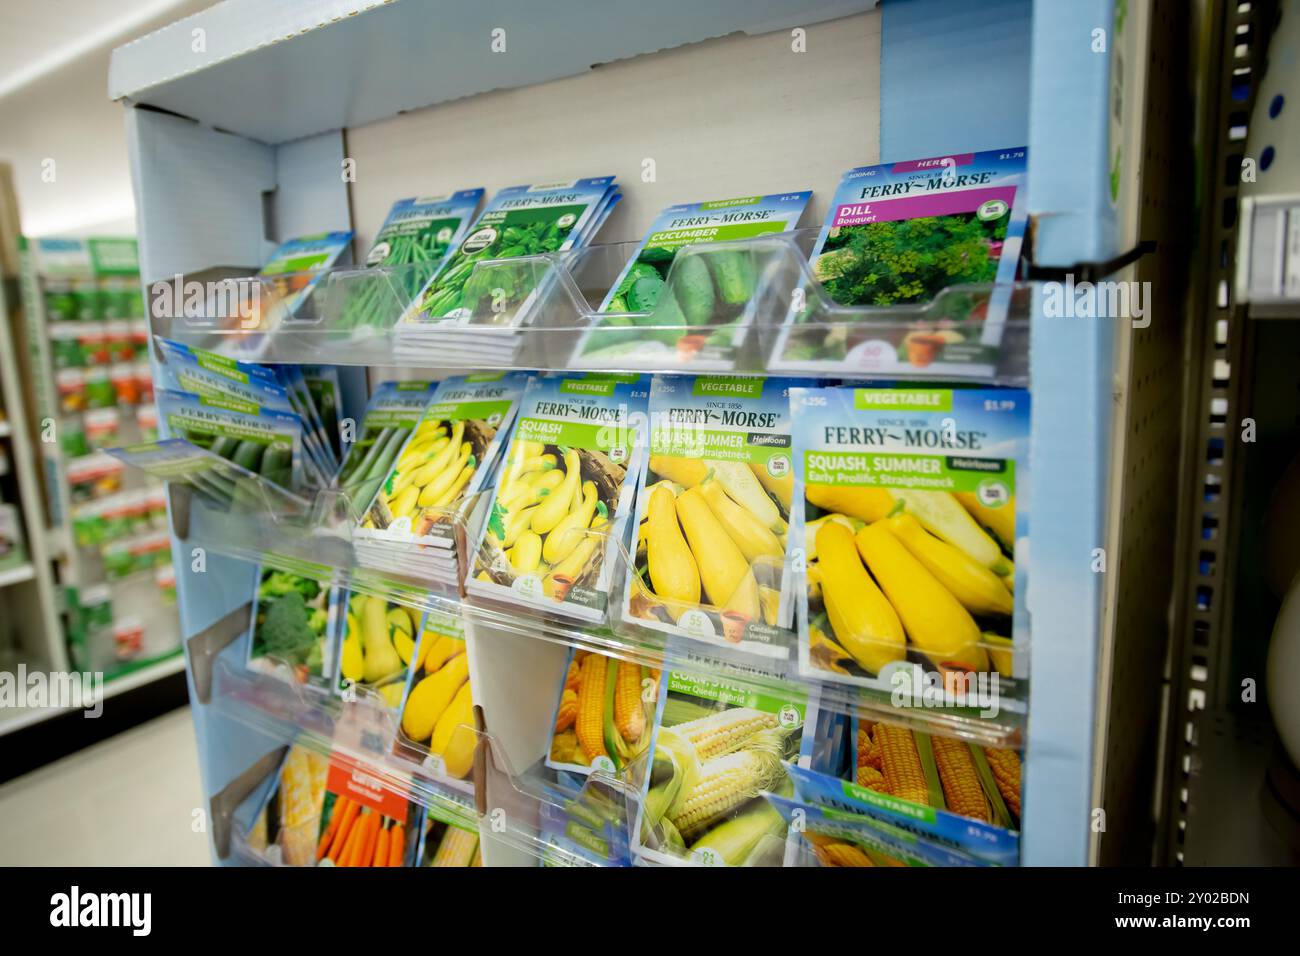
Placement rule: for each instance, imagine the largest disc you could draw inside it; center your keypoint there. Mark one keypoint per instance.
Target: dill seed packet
(945, 231)
(563, 494)
(691, 310)
(912, 504)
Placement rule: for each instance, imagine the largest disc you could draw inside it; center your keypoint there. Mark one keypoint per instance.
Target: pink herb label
(916, 207)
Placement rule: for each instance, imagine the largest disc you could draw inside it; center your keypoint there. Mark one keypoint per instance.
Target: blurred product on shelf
(88, 340)
(13, 547)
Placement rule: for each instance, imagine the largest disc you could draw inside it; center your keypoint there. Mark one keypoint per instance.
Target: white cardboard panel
(314, 65)
(311, 195)
(198, 194)
(741, 115)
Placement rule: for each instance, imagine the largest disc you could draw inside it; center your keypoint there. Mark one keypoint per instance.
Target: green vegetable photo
(290, 625)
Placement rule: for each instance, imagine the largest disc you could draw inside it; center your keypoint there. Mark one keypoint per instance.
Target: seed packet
(839, 838)
(707, 733)
(327, 396)
(376, 639)
(623, 692)
(218, 481)
(286, 286)
(694, 307)
(902, 234)
(410, 247)
(392, 413)
(189, 369)
(364, 820)
(437, 711)
(285, 829)
(295, 386)
(713, 510)
(942, 789)
(263, 441)
(446, 460)
(301, 264)
(913, 501)
(570, 469)
(518, 221)
(289, 634)
(450, 836)
(584, 824)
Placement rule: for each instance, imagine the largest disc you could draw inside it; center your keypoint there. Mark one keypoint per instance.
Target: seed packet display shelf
(271, 527)
(264, 153)
(541, 312)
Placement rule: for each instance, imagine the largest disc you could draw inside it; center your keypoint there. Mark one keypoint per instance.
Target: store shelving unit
(243, 142)
(27, 591)
(1228, 790)
(83, 363)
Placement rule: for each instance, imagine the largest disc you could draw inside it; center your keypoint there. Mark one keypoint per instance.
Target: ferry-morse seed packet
(691, 310)
(911, 512)
(901, 234)
(713, 512)
(563, 494)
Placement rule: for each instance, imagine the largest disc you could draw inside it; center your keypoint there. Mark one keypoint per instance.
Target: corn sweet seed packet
(563, 494)
(445, 460)
(912, 508)
(450, 837)
(717, 746)
(713, 512)
(967, 797)
(901, 234)
(623, 692)
(692, 308)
